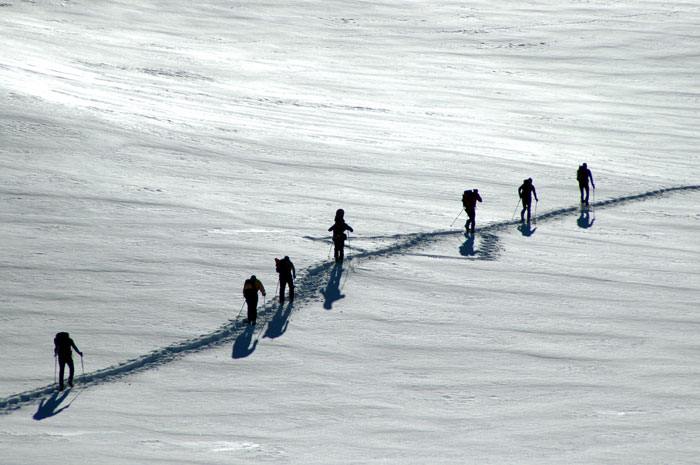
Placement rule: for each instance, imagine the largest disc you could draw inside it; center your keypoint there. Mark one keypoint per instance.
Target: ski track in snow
(308, 289)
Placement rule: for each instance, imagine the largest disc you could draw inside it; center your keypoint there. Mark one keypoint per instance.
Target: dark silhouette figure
(467, 249)
(469, 199)
(285, 268)
(250, 292)
(242, 346)
(339, 227)
(526, 230)
(583, 175)
(332, 291)
(526, 191)
(280, 322)
(48, 405)
(584, 221)
(62, 349)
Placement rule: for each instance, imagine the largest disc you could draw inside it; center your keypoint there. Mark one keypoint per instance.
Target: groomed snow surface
(154, 155)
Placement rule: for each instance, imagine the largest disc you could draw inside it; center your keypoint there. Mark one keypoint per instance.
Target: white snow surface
(154, 155)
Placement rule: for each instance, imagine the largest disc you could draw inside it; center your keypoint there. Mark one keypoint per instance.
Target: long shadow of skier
(280, 322)
(467, 249)
(527, 230)
(47, 407)
(584, 221)
(242, 346)
(332, 291)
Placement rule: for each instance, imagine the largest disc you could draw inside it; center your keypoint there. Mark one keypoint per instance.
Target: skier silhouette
(250, 292)
(526, 191)
(469, 199)
(62, 349)
(339, 227)
(285, 268)
(583, 175)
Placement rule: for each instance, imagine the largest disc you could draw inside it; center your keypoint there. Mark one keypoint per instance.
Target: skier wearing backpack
(469, 199)
(250, 292)
(339, 236)
(526, 191)
(583, 175)
(62, 349)
(285, 268)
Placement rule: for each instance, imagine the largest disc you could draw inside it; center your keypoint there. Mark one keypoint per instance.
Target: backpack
(469, 198)
(582, 174)
(62, 342)
(249, 289)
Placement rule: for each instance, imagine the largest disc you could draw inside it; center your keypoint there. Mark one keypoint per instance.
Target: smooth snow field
(154, 155)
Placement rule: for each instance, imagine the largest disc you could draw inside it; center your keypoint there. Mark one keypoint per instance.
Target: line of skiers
(287, 272)
(525, 192)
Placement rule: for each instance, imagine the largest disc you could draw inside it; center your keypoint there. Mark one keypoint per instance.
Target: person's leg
(61, 371)
(282, 284)
(71, 369)
(290, 284)
(252, 310)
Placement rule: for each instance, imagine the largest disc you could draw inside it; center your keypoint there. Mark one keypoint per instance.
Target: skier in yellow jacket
(250, 292)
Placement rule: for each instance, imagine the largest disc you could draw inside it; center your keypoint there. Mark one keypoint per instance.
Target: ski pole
(460, 214)
(277, 286)
(55, 367)
(241, 311)
(516, 209)
(536, 202)
(329, 249)
(82, 365)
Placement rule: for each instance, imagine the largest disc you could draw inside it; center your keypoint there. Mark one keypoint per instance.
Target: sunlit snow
(154, 155)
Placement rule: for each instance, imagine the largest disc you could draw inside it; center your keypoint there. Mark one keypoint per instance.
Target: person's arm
(535, 192)
(72, 343)
(261, 287)
(478, 197)
(331, 228)
(294, 270)
(349, 228)
(590, 175)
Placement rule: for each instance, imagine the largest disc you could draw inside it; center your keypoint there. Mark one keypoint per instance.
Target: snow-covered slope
(154, 155)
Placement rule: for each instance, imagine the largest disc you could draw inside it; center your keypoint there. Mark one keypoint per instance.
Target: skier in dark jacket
(250, 292)
(583, 175)
(339, 236)
(526, 191)
(62, 349)
(287, 273)
(469, 199)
